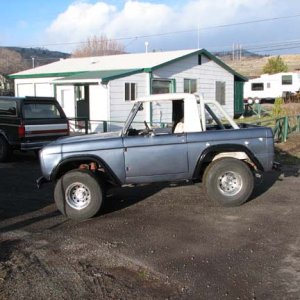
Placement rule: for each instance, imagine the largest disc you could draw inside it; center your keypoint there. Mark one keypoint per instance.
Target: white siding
(25, 89)
(66, 98)
(34, 87)
(98, 106)
(206, 74)
(119, 108)
(43, 89)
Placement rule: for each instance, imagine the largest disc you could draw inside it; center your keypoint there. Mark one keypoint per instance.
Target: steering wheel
(147, 126)
(147, 129)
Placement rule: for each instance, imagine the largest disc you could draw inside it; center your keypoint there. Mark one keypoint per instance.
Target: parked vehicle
(29, 123)
(225, 156)
(267, 87)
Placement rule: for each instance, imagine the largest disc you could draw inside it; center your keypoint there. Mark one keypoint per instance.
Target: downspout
(150, 92)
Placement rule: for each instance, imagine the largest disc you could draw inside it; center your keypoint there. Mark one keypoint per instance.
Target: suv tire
(5, 150)
(228, 182)
(78, 195)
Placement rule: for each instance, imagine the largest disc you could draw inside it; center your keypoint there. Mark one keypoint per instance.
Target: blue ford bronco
(166, 138)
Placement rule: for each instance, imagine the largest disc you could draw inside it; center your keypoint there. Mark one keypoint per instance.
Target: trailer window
(287, 79)
(259, 86)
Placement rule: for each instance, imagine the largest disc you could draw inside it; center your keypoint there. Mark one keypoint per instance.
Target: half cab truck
(166, 138)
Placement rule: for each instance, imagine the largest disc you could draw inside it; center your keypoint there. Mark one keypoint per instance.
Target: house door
(82, 103)
(238, 98)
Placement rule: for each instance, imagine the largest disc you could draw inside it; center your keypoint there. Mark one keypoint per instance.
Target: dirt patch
(289, 152)
(41, 268)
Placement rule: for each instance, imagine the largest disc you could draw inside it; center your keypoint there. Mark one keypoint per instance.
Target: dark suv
(29, 123)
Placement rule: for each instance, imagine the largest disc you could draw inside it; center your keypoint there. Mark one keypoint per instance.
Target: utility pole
(33, 61)
(198, 44)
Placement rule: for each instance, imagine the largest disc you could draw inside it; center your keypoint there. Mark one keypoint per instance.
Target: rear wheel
(78, 195)
(5, 150)
(228, 182)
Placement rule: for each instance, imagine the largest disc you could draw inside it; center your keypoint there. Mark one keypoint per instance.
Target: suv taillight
(21, 131)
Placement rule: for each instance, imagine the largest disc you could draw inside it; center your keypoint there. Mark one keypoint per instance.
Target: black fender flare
(77, 158)
(216, 149)
(3, 134)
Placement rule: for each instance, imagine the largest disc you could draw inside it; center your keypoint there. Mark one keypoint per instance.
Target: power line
(181, 31)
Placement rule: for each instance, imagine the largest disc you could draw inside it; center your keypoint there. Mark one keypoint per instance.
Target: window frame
(128, 95)
(287, 79)
(189, 81)
(220, 92)
(257, 88)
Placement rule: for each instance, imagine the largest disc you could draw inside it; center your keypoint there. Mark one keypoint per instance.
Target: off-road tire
(78, 195)
(228, 182)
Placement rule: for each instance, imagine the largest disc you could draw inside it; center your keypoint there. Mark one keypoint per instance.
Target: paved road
(151, 242)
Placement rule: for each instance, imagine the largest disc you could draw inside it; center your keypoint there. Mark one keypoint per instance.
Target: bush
(277, 109)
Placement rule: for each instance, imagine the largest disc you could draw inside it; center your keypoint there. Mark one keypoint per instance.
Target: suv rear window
(41, 111)
(8, 108)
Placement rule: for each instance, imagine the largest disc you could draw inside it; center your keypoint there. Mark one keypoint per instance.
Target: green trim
(207, 54)
(174, 87)
(54, 91)
(120, 75)
(64, 74)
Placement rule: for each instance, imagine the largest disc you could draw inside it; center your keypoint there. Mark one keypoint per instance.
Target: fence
(281, 127)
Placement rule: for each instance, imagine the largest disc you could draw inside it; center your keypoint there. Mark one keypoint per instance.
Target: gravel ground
(150, 242)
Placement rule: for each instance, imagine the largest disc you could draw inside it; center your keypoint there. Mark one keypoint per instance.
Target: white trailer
(268, 87)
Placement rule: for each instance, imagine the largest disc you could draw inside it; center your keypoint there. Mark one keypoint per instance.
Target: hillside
(252, 66)
(41, 56)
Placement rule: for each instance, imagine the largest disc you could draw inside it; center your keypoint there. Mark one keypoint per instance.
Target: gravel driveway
(150, 242)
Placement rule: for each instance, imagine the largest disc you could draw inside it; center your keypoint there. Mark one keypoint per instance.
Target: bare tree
(99, 46)
(11, 62)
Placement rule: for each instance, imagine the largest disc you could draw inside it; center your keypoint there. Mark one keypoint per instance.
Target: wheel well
(206, 159)
(96, 167)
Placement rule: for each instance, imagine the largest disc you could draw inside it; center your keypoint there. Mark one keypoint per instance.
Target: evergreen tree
(275, 65)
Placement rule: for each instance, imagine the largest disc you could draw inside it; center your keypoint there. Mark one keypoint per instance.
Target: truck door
(152, 158)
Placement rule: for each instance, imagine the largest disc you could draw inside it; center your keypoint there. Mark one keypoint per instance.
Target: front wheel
(228, 182)
(78, 195)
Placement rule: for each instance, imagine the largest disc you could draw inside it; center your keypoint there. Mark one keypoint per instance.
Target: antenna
(146, 47)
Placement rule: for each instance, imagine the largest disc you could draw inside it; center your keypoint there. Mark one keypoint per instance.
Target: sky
(261, 26)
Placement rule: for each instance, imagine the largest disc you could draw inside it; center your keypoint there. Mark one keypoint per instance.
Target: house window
(259, 86)
(130, 91)
(287, 79)
(190, 86)
(220, 92)
(161, 86)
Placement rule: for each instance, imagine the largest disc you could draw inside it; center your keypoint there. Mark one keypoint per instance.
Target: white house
(101, 88)
(269, 87)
